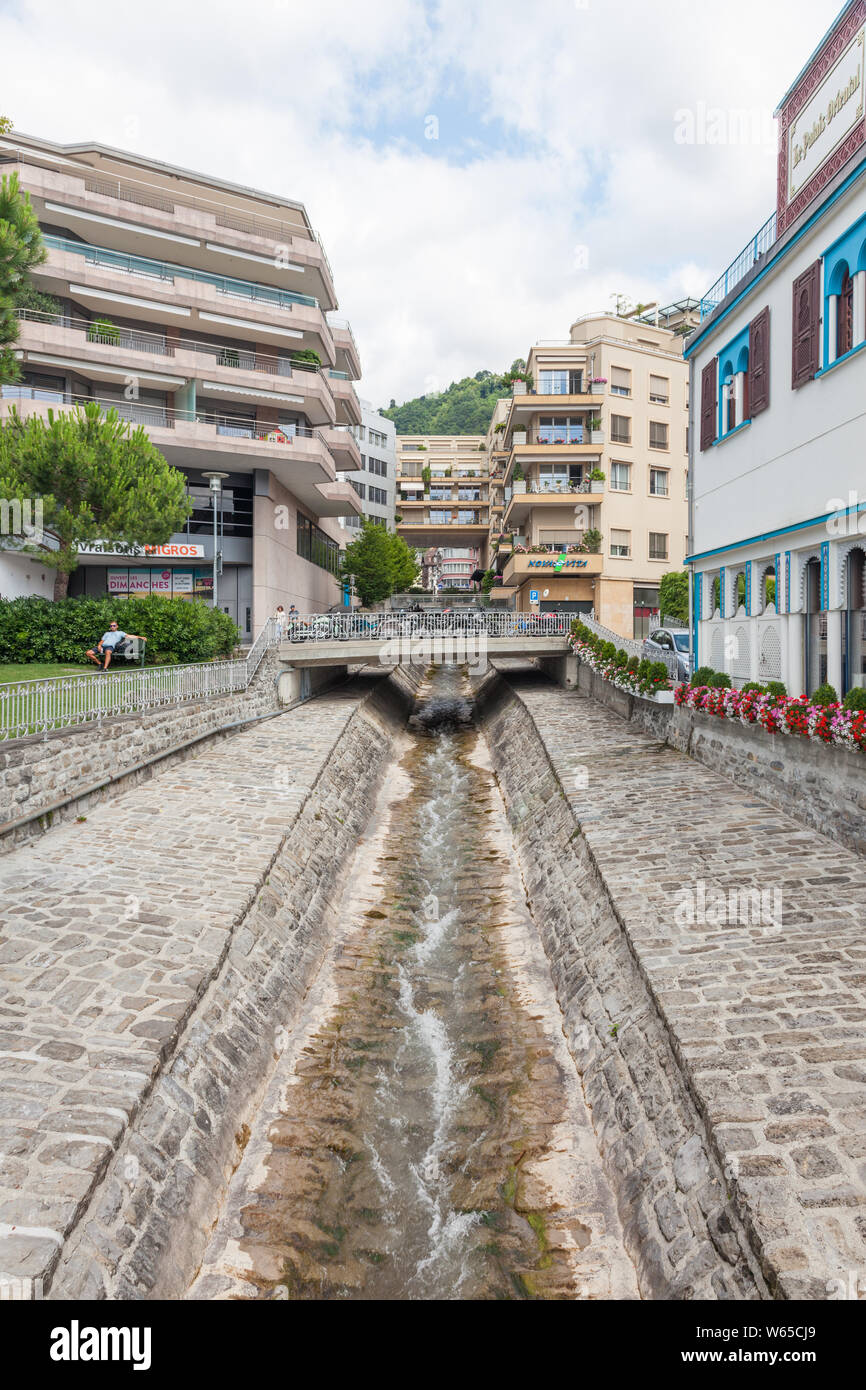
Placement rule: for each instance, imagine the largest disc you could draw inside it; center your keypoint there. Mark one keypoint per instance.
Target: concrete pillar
(834, 649)
(859, 307)
(832, 316)
(737, 387)
(289, 686)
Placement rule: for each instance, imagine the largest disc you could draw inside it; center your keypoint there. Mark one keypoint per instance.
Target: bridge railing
(381, 627)
(62, 702)
(630, 644)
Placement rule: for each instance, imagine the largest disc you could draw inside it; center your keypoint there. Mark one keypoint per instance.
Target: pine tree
(95, 477)
(21, 248)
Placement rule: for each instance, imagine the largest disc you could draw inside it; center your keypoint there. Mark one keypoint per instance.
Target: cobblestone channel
(427, 1136)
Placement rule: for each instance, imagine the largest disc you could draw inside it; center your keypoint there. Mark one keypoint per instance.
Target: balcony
(159, 291)
(530, 498)
(345, 345)
(110, 353)
(299, 457)
(343, 447)
(211, 231)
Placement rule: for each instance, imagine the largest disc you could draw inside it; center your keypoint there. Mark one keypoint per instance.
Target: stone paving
(767, 1017)
(112, 928)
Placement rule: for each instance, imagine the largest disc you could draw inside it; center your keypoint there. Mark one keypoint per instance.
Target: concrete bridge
(464, 638)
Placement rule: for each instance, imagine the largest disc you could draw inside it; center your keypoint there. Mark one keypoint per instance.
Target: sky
(481, 172)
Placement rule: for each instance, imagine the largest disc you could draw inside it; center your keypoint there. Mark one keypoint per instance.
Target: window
(377, 466)
(560, 381)
(360, 488)
(805, 357)
(658, 545)
(439, 518)
(659, 482)
(660, 390)
(620, 544)
(620, 477)
(315, 546)
(620, 381)
(845, 316)
(658, 438)
(620, 429)
(378, 495)
(560, 429)
(466, 518)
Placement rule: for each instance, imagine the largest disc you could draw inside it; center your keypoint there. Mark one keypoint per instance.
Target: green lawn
(37, 670)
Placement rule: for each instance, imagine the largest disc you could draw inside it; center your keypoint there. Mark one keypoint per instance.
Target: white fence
(62, 702)
(378, 627)
(630, 644)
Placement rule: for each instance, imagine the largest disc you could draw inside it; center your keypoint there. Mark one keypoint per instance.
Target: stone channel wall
(149, 1218)
(680, 1229)
(822, 786)
(39, 771)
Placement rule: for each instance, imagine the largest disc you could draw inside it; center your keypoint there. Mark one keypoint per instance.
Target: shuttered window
(620, 544)
(620, 429)
(758, 377)
(660, 390)
(658, 435)
(708, 404)
(620, 381)
(806, 325)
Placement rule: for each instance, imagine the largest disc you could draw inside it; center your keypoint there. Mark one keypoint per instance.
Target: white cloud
(443, 264)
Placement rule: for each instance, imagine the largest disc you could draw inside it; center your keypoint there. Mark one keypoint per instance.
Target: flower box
(596, 436)
(518, 437)
(596, 486)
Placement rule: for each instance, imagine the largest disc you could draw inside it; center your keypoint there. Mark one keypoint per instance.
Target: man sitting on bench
(111, 643)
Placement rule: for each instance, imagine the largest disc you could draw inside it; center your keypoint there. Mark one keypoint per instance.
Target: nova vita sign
(560, 563)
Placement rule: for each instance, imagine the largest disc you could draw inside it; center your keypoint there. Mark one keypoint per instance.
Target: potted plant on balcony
(518, 481)
(596, 433)
(426, 475)
(103, 331)
(597, 480)
(597, 385)
(591, 542)
(518, 435)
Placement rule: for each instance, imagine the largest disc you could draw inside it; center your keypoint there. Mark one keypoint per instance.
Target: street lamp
(215, 481)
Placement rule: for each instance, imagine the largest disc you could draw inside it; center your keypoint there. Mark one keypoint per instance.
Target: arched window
(854, 627)
(768, 587)
(845, 316)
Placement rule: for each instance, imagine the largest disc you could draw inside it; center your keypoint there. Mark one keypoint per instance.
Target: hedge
(35, 629)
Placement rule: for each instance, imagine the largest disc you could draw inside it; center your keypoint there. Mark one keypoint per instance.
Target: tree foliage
(674, 596)
(380, 562)
(96, 477)
(465, 408)
(21, 248)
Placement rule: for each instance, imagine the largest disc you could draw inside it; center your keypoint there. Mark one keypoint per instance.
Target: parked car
(668, 641)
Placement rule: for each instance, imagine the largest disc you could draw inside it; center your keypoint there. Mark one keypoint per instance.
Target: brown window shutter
(708, 403)
(758, 375)
(806, 326)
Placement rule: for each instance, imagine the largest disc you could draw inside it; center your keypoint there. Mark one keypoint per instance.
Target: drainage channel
(426, 1134)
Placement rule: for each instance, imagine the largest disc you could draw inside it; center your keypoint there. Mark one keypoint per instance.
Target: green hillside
(465, 408)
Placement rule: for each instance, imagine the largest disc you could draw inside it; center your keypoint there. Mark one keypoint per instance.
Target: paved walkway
(769, 1017)
(111, 930)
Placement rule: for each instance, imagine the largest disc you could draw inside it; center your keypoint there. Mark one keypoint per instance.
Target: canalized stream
(431, 1140)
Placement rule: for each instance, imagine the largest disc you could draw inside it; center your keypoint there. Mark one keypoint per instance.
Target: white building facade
(376, 480)
(778, 404)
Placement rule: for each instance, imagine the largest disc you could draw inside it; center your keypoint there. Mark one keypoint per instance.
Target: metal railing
(629, 644)
(64, 702)
(168, 271)
(740, 267)
(378, 627)
(141, 340)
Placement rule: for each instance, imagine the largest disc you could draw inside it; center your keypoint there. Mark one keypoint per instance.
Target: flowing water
(431, 1140)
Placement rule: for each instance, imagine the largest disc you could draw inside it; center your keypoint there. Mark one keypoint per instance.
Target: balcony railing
(167, 272)
(739, 268)
(141, 340)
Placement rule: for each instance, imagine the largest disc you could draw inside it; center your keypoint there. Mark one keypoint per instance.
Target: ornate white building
(778, 393)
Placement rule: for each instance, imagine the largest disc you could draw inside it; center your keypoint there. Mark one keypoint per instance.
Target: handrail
(58, 702)
(739, 267)
(129, 264)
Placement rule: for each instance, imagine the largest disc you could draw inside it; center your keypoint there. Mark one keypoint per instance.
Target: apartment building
(443, 505)
(778, 388)
(202, 310)
(590, 459)
(376, 480)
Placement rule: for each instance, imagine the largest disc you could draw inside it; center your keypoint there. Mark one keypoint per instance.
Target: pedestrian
(110, 644)
(279, 620)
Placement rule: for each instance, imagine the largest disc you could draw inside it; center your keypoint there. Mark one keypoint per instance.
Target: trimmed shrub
(608, 651)
(777, 689)
(633, 663)
(621, 658)
(719, 680)
(855, 700)
(658, 671)
(753, 685)
(824, 695)
(702, 676)
(35, 629)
